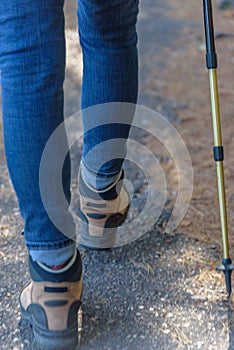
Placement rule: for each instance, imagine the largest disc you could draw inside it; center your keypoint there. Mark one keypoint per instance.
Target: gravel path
(162, 291)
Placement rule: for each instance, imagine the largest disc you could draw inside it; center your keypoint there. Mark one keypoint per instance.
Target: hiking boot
(101, 212)
(50, 304)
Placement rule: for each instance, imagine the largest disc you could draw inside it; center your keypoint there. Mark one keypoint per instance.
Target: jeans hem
(49, 245)
(99, 174)
(53, 255)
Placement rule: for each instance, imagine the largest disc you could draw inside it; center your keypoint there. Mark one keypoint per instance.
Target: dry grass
(142, 265)
(191, 257)
(207, 284)
(180, 337)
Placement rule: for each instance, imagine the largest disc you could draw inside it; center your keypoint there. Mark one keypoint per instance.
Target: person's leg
(109, 93)
(32, 63)
(109, 44)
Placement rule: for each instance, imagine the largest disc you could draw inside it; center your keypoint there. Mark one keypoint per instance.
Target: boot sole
(51, 340)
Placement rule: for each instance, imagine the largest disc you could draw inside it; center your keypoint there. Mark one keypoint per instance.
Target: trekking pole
(211, 62)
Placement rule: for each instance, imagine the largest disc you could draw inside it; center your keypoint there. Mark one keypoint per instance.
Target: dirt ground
(162, 291)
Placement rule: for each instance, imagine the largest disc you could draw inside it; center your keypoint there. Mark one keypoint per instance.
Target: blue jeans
(32, 64)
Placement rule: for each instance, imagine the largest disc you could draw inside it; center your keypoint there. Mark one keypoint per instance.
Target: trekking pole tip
(227, 267)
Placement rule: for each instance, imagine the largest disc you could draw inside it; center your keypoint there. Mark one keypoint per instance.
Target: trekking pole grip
(211, 56)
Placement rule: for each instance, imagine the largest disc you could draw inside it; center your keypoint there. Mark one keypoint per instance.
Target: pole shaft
(211, 57)
(209, 27)
(219, 164)
(215, 107)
